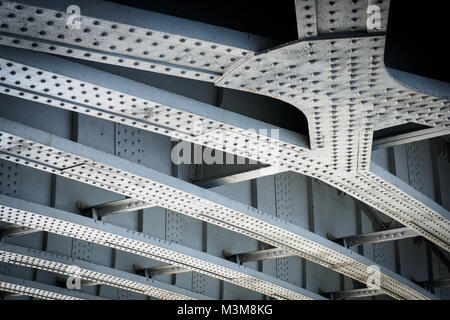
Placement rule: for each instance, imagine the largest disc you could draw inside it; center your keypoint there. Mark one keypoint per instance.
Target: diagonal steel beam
(40, 290)
(93, 273)
(35, 148)
(83, 228)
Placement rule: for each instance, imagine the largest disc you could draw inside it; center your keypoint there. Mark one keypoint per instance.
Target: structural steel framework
(95, 133)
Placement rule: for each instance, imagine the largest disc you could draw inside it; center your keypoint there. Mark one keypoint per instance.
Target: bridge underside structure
(147, 156)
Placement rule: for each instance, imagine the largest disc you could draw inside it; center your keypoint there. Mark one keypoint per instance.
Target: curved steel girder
(63, 265)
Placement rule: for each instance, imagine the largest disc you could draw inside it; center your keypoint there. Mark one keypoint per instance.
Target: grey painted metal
(443, 258)
(83, 228)
(40, 290)
(120, 206)
(377, 237)
(239, 258)
(117, 42)
(355, 293)
(25, 145)
(92, 273)
(435, 284)
(409, 137)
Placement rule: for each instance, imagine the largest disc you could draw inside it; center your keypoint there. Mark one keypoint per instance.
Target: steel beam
(377, 237)
(149, 41)
(40, 290)
(93, 273)
(409, 137)
(31, 147)
(84, 228)
(162, 270)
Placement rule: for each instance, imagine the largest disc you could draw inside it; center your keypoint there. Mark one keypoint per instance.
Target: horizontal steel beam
(409, 137)
(41, 290)
(161, 270)
(91, 273)
(377, 237)
(76, 226)
(14, 230)
(35, 148)
(355, 293)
